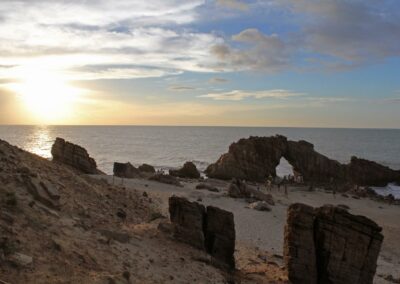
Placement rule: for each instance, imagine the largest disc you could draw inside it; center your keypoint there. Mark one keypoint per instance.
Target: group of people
(279, 182)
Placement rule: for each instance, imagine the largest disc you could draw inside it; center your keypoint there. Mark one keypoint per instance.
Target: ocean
(170, 146)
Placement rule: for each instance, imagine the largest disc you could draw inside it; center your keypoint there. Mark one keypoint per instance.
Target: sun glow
(46, 94)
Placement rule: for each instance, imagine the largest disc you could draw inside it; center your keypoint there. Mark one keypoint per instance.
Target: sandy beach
(260, 234)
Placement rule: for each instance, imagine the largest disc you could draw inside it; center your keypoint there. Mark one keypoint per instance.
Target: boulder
(188, 170)
(145, 168)
(256, 158)
(188, 219)
(73, 155)
(259, 206)
(220, 237)
(207, 187)
(125, 170)
(167, 179)
(210, 229)
(312, 257)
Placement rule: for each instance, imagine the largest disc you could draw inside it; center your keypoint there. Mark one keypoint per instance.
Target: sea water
(170, 146)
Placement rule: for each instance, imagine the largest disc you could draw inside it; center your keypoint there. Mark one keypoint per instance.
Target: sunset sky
(326, 63)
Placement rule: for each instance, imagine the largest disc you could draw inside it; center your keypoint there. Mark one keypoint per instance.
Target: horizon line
(220, 126)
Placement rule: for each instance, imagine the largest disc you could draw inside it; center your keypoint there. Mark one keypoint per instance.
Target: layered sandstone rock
(188, 219)
(256, 158)
(73, 155)
(220, 236)
(125, 170)
(330, 245)
(188, 170)
(211, 229)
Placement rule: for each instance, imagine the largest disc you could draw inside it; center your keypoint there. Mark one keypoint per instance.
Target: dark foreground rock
(125, 170)
(188, 219)
(211, 229)
(73, 155)
(188, 170)
(256, 158)
(330, 245)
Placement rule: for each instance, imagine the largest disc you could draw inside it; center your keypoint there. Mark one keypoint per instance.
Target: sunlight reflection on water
(39, 142)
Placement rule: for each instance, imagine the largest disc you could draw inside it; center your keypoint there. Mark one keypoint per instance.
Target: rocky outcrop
(145, 168)
(188, 170)
(220, 236)
(330, 245)
(73, 155)
(211, 229)
(125, 170)
(256, 158)
(364, 172)
(188, 219)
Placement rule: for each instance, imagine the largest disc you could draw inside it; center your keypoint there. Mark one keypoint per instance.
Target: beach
(263, 232)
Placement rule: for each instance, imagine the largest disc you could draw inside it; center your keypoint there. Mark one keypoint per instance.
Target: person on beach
(269, 183)
(285, 184)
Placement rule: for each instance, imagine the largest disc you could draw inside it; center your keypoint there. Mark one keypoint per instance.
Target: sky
(294, 63)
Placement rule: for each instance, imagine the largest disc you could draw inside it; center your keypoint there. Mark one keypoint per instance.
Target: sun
(47, 95)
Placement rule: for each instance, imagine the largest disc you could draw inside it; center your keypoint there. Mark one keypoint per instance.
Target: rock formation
(220, 236)
(211, 229)
(125, 170)
(188, 170)
(364, 172)
(256, 158)
(73, 155)
(330, 245)
(145, 168)
(188, 219)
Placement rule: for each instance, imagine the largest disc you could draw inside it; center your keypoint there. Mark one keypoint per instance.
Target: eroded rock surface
(330, 245)
(220, 236)
(188, 219)
(256, 158)
(74, 156)
(211, 229)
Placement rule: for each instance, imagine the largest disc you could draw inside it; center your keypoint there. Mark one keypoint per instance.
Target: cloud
(354, 31)
(233, 4)
(147, 35)
(218, 80)
(181, 88)
(334, 35)
(238, 95)
(259, 52)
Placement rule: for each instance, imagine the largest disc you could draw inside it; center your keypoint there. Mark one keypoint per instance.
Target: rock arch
(255, 158)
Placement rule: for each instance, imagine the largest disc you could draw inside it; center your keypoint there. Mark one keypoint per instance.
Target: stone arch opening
(284, 168)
